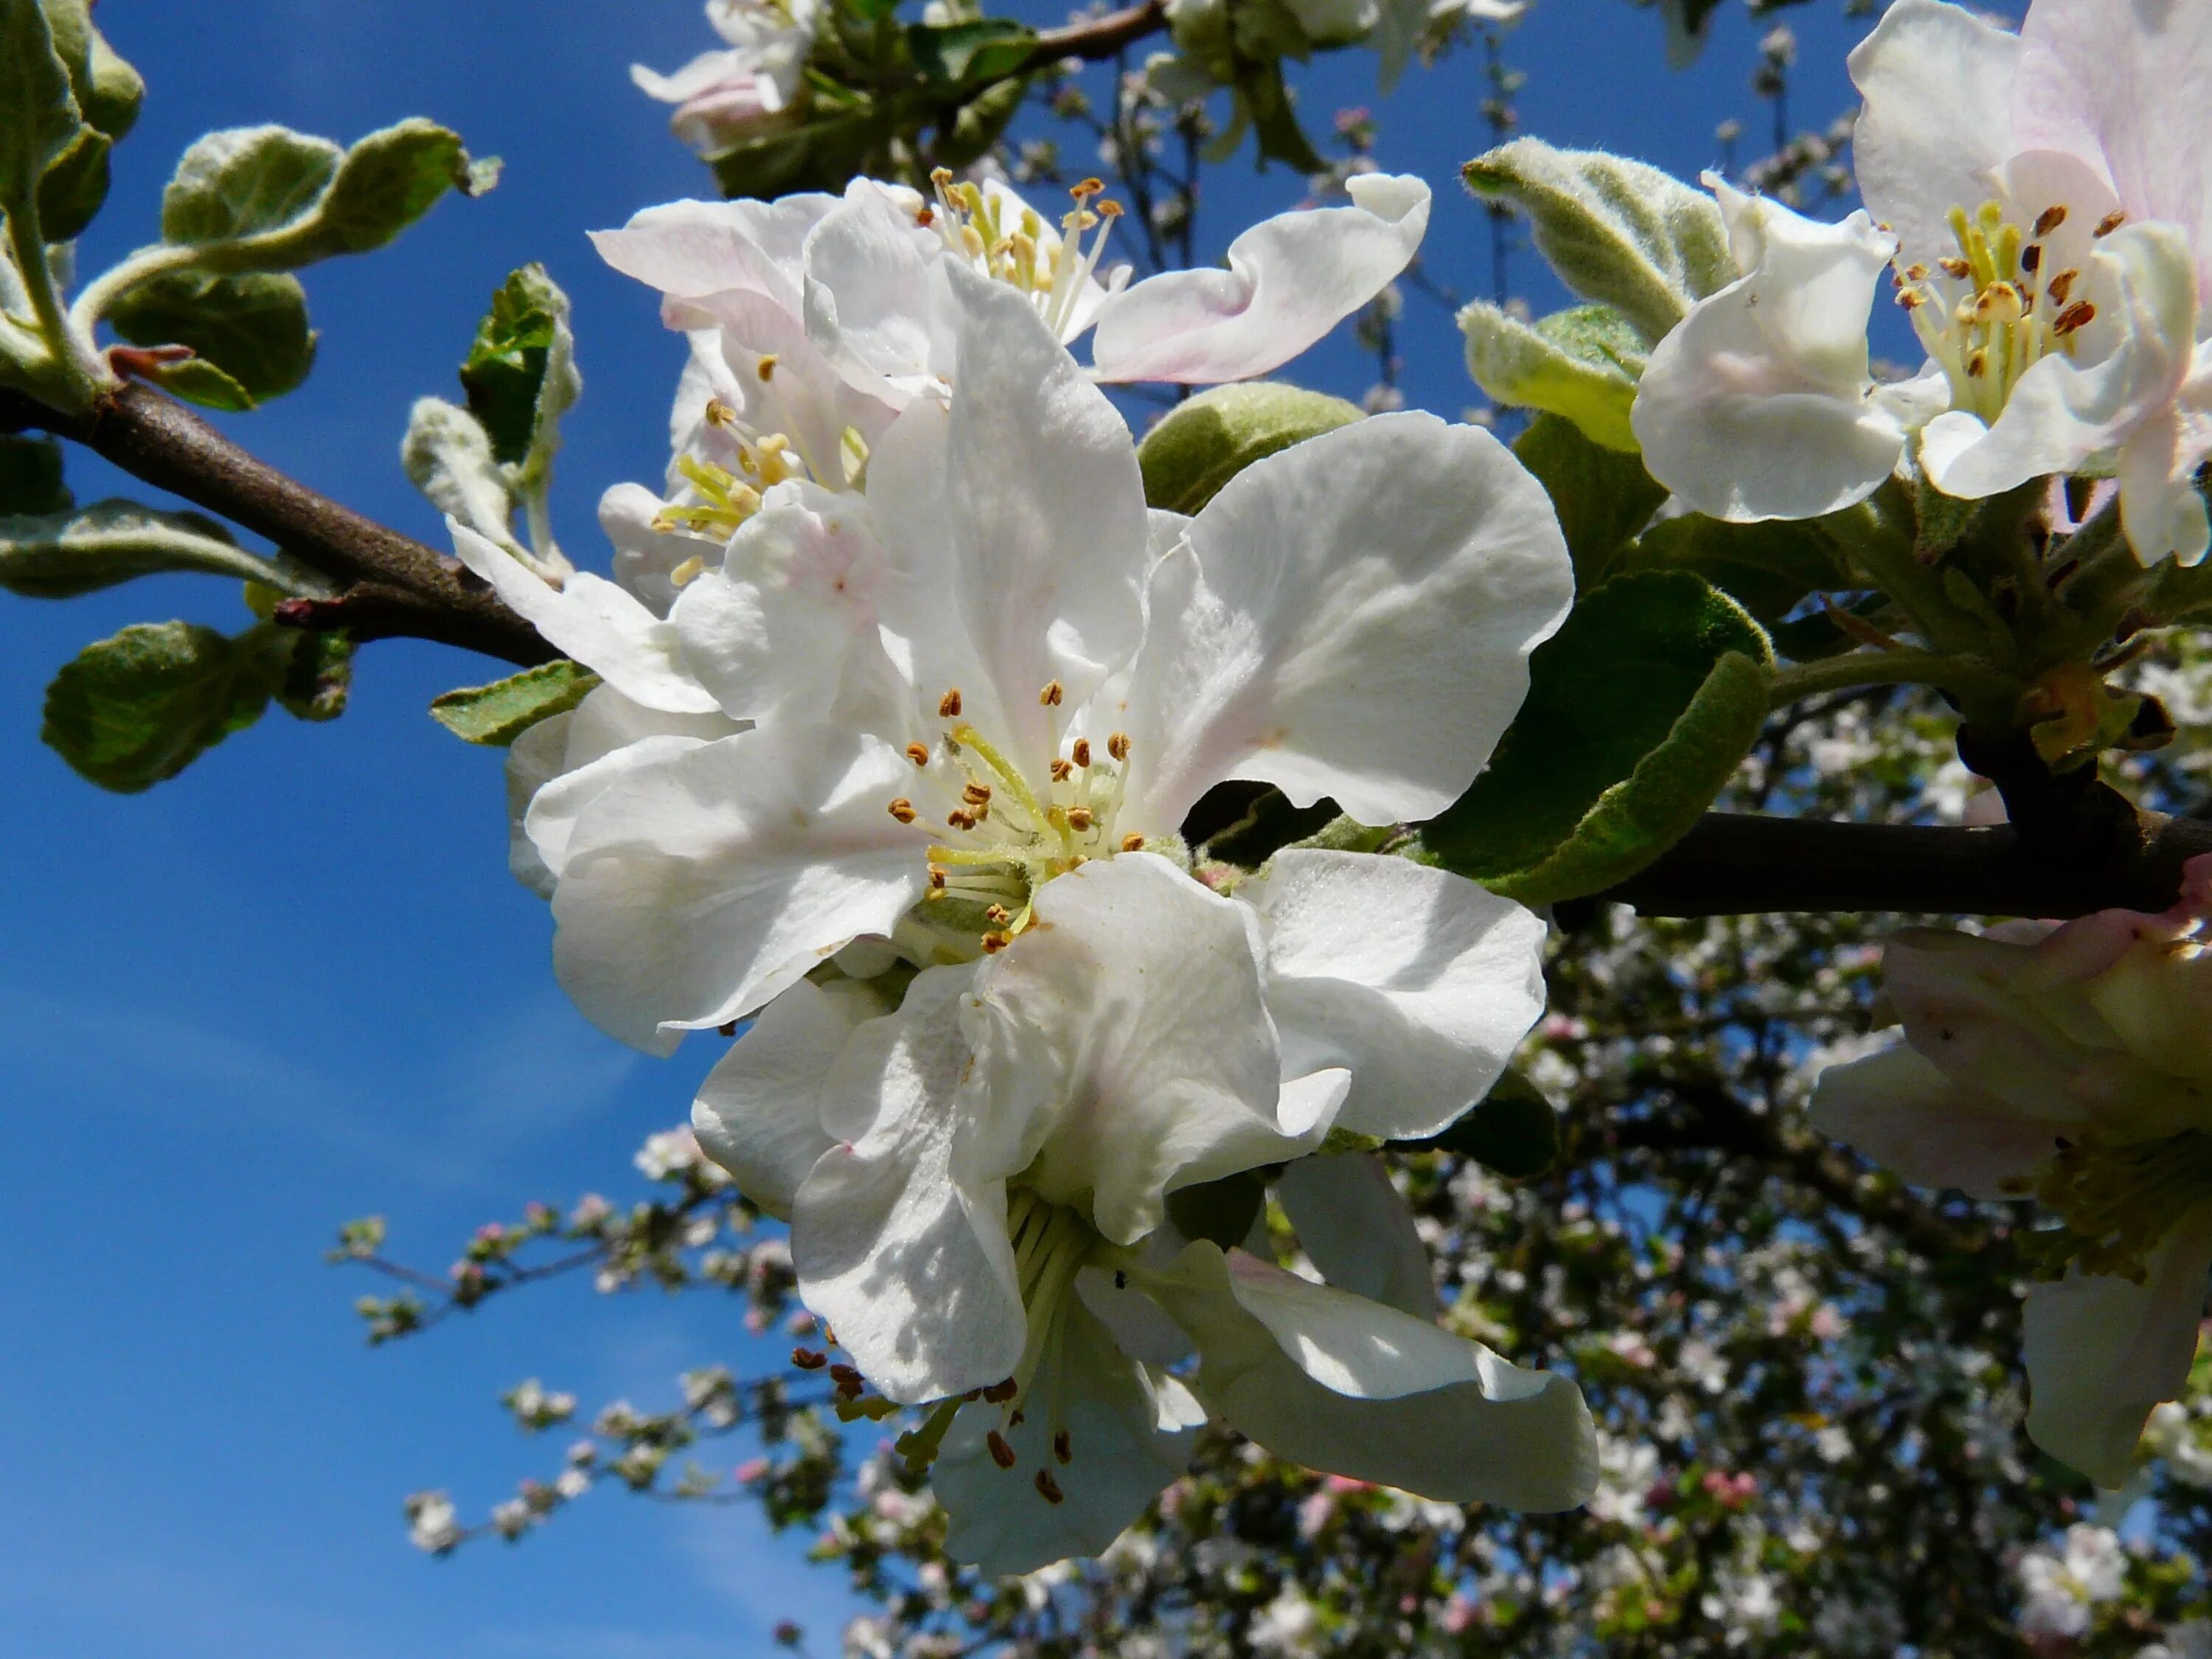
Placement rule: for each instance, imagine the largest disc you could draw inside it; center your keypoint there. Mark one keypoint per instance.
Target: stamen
(949, 705)
(767, 366)
(1132, 843)
(917, 754)
(720, 414)
(2049, 219)
(1118, 745)
(2078, 315)
(1062, 1447)
(2110, 222)
(1001, 1392)
(1062, 771)
(1050, 697)
(2061, 285)
(1002, 1454)
(1048, 1488)
(2031, 258)
(1082, 752)
(1955, 267)
(687, 572)
(1079, 818)
(976, 794)
(807, 1360)
(903, 810)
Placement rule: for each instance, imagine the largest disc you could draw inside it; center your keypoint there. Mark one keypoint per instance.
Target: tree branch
(1100, 37)
(395, 585)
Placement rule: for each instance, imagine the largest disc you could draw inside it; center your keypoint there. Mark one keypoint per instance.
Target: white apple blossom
(722, 97)
(2071, 1063)
(2053, 235)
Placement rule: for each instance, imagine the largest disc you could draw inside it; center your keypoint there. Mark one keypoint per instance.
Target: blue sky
(295, 985)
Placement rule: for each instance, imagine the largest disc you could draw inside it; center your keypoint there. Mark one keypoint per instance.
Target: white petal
(646, 556)
(2122, 83)
(2161, 507)
(1354, 1226)
(596, 623)
(534, 760)
(2102, 1351)
(696, 890)
(789, 624)
(1345, 1385)
(2131, 366)
(1020, 526)
(1911, 1118)
(1760, 404)
(1352, 618)
(690, 249)
(1130, 1433)
(1419, 981)
(1938, 82)
(759, 1113)
(1291, 279)
(910, 1265)
(1125, 1047)
(868, 292)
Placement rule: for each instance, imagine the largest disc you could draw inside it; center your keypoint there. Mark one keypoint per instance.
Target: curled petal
(911, 1266)
(1291, 279)
(1418, 980)
(1759, 405)
(596, 623)
(1939, 87)
(1356, 1228)
(1340, 1383)
(1910, 1117)
(1352, 618)
(2102, 1351)
(690, 249)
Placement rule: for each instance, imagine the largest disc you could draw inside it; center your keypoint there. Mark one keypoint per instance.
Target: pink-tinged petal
(1130, 1430)
(2161, 508)
(1350, 618)
(645, 557)
(1354, 1226)
(696, 890)
(1759, 405)
(1291, 279)
(759, 1112)
(596, 623)
(690, 249)
(1938, 82)
(1343, 1384)
(909, 1265)
(2102, 1351)
(1418, 980)
(2122, 83)
(1125, 1049)
(1896, 1108)
(1956, 998)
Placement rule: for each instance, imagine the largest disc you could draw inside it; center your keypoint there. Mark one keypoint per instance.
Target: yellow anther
(903, 810)
(2049, 219)
(976, 794)
(917, 754)
(1999, 305)
(767, 365)
(1082, 752)
(948, 706)
(1079, 818)
(1954, 267)
(687, 572)
(1118, 745)
(1053, 694)
(1132, 843)
(998, 915)
(720, 414)
(1062, 771)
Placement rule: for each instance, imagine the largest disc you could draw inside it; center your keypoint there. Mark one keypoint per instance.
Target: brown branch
(394, 585)
(1099, 37)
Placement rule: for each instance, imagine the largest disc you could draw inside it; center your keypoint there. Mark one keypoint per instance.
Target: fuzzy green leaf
(1207, 440)
(1581, 364)
(199, 381)
(1640, 710)
(1602, 496)
(1616, 231)
(138, 708)
(39, 114)
(108, 90)
(246, 181)
(497, 715)
(65, 551)
(968, 53)
(253, 326)
(520, 375)
(74, 188)
(31, 477)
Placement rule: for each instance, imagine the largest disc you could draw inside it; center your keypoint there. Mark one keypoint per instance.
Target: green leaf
(108, 90)
(246, 181)
(966, 54)
(448, 455)
(824, 154)
(1276, 126)
(498, 713)
(318, 676)
(1221, 1211)
(1639, 711)
(1767, 568)
(135, 709)
(31, 477)
(520, 375)
(39, 114)
(389, 180)
(199, 381)
(1581, 364)
(1207, 440)
(1511, 1131)
(64, 552)
(74, 188)
(253, 326)
(978, 123)
(1602, 496)
(1615, 230)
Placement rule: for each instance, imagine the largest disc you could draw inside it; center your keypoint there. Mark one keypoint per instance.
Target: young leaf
(389, 180)
(497, 715)
(74, 188)
(966, 53)
(199, 381)
(1602, 496)
(246, 181)
(448, 457)
(31, 477)
(39, 114)
(1614, 230)
(1207, 440)
(108, 90)
(1581, 364)
(1512, 1131)
(318, 676)
(822, 154)
(1766, 567)
(253, 326)
(520, 375)
(1276, 126)
(1640, 710)
(135, 709)
(64, 552)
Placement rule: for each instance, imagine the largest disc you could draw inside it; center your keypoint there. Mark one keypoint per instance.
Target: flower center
(1050, 268)
(1992, 312)
(2118, 1203)
(1008, 835)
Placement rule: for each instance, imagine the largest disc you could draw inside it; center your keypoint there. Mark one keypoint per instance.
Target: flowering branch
(393, 586)
(1098, 37)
